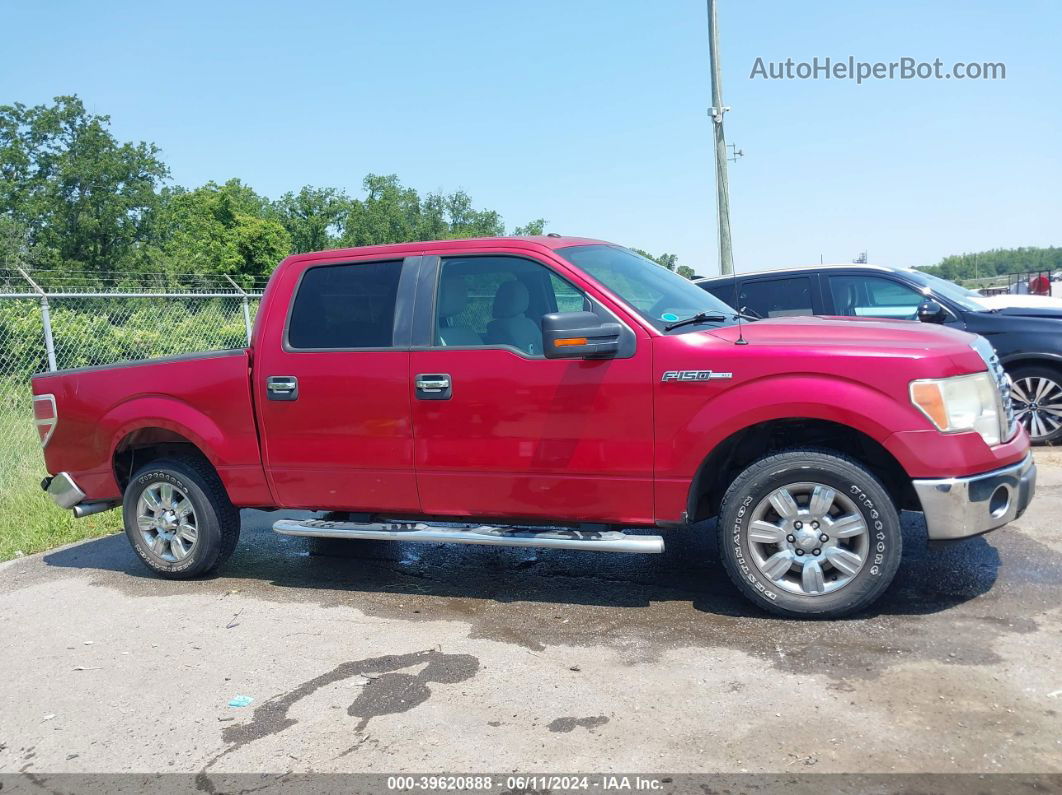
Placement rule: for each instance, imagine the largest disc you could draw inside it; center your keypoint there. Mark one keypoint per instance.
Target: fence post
(46, 320)
(246, 306)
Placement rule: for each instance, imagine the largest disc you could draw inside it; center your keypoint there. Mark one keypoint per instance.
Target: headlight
(962, 403)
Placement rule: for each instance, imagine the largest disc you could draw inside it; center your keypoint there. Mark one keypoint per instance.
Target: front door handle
(433, 386)
(282, 387)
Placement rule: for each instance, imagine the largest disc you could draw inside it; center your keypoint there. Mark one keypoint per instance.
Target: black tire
(1026, 379)
(857, 488)
(217, 520)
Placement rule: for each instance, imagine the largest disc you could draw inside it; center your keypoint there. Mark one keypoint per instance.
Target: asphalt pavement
(378, 657)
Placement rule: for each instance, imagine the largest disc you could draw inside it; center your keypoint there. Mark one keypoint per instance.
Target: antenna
(741, 335)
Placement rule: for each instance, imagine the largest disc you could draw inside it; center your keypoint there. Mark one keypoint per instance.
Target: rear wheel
(1037, 396)
(179, 519)
(809, 533)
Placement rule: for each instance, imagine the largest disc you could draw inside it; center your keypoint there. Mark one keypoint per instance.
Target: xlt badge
(694, 375)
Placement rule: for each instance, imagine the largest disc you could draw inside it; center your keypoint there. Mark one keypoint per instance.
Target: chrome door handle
(282, 387)
(433, 386)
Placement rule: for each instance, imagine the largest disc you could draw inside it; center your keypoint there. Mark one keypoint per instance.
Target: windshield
(660, 296)
(967, 299)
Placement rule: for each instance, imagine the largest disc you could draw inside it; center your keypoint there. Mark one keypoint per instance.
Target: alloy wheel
(808, 538)
(1038, 405)
(167, 522)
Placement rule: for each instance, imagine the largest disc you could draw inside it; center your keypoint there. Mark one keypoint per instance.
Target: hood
(1022, 305)
(901, 336)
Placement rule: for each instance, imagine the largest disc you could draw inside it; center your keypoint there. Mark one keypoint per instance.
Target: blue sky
(591, 113)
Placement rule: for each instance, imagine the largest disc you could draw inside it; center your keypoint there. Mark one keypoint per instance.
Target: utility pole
(726, 254)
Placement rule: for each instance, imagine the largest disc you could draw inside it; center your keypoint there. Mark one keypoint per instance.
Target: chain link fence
(55, 327)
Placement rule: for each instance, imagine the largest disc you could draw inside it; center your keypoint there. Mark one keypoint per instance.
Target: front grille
(988, 353)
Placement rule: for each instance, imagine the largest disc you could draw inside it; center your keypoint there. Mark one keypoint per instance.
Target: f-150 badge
(694, 375)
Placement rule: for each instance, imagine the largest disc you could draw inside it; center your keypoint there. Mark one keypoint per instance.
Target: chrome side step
(603, 541)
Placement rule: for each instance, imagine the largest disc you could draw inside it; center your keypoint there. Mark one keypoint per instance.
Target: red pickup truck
(551, 392)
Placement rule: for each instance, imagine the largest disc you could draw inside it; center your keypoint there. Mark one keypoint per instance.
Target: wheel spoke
(1041, 388)
(145, 522)
(811, 579)
(784, 503)
(778, 564)
(158, 546)
(188, 533)
(1038, 428)
(166, 495)
(151, 499)
(847, 526)
(183, 508)
(177, 547)
(821, 500)
(1049, 421)
(1017, 391)
(761, 532)
(845, 561)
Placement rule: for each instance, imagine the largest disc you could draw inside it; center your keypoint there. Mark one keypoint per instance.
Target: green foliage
(81, 196)
(313, 217)
(669, 261)
(29, 522)
(219, 229)
(996, 262)
(536, 227)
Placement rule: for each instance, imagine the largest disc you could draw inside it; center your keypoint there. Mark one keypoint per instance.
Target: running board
(603, 541)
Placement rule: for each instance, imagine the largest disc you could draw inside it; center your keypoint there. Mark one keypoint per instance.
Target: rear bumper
(67, 494)
(968, 506)
(63, 490)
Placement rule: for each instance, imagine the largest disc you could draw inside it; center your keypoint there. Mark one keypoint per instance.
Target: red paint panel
(561, 439)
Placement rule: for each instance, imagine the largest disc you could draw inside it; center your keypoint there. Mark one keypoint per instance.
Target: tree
(313, 217)
(83, 197)
(535, 227)
(220, 229)
(997, 262)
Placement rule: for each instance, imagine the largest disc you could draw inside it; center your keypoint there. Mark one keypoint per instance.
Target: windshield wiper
(700, 317)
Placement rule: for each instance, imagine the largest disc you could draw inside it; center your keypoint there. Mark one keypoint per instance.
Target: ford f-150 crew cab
(552, 392)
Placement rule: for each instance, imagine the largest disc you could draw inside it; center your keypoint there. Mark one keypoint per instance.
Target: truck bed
(203, 398)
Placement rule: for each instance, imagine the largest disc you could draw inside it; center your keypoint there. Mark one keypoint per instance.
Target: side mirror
(929, 311)
(579, 335)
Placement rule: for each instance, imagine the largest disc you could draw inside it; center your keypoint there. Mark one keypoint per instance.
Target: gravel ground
(384, 658)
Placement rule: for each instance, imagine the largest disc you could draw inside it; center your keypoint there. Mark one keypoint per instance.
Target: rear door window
(785, 297)
(345, 307)
(874, 296)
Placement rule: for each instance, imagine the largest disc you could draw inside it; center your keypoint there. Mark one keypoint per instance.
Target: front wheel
(809, 533)
(179, 518)
(1037, 396)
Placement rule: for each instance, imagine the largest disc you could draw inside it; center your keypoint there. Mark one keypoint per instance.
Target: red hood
(864, 333)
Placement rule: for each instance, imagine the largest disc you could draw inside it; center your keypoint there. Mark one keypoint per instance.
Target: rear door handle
(433, 386)
(282, 387)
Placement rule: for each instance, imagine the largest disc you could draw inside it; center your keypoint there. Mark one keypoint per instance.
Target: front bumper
(969, 506)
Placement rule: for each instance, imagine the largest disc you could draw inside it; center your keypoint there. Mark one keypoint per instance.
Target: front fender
(681, 452)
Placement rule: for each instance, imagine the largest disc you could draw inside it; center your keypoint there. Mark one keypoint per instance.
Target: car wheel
(809, 533)
(1036, 393)
(179, 518)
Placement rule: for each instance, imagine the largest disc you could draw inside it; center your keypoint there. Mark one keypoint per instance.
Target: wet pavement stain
(949, 603)
(387, 691)
(565, 725)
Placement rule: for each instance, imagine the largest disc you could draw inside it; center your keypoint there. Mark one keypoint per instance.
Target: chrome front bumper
(961, 507)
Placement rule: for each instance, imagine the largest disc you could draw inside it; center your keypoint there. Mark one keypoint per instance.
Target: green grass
(29, 521)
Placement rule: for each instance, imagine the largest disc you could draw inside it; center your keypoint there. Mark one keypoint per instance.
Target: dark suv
(1027, 338)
